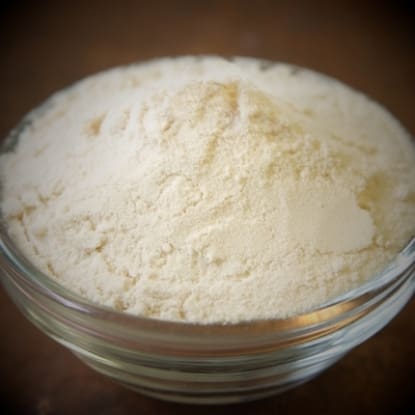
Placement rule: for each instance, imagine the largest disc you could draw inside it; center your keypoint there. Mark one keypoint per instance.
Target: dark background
(46, 45)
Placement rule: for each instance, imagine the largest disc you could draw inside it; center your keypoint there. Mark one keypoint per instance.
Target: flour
(205, 190)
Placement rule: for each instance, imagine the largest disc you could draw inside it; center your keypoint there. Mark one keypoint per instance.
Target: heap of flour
(205, 190)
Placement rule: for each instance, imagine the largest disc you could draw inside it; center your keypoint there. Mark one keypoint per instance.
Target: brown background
(46, 45)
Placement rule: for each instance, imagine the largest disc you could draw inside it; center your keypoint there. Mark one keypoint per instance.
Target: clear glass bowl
(212, 363)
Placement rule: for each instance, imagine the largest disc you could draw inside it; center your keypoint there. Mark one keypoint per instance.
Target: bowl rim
(319, 316)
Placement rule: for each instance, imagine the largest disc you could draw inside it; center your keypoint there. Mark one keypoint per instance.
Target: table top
(47, 45)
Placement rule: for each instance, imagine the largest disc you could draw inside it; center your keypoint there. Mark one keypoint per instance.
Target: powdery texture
(205, 190)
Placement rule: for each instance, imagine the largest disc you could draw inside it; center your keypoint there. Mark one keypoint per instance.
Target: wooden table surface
(47, 45)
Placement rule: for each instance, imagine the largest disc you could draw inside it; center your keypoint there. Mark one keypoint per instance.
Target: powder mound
(210, 191)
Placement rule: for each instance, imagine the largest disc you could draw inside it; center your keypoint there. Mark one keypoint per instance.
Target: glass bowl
(211, 363)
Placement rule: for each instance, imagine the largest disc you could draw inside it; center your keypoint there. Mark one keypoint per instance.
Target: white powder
(204, 190)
